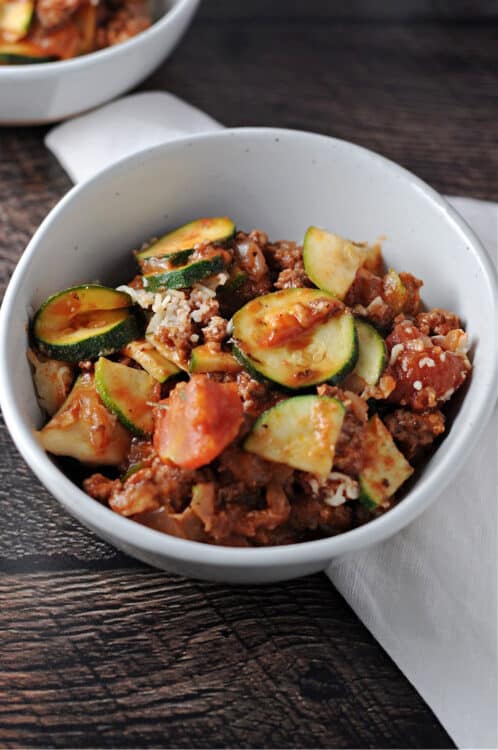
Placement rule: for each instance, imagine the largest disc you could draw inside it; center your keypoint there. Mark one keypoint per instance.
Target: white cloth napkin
(428, 594)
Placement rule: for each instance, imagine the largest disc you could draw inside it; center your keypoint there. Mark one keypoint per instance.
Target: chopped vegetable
(84, 429)
(83, 322)
(197, 421)
(204, 359)
(151, 360)
(296, 337)
(330, 261)
(178, 245)
(384, 466)
(300, 432)
(128, 393)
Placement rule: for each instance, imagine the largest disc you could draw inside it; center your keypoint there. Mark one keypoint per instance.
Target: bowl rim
(58, 67)
(128, 534)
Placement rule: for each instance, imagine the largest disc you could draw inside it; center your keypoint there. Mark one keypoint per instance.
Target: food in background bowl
(33, 31)
(246, 392)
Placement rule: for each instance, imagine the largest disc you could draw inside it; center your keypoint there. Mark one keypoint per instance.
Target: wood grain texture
(98, 650)
(127, 659)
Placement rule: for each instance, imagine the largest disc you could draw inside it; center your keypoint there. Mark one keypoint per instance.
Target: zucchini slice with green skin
(179, 244)
(15, 18)
(203, 359)
(384, 466)
(184, 276)
(151, 360)
(236, 279)
(131, 470)
(372, 355)
(22, 53)
(127, 393)
(300, 432)
(330, 261)
(72, 431)
(83, 322)
(326, 352)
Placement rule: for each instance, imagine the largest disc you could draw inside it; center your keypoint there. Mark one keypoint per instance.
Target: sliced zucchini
(203, 359)
(372, 355)
(151, 360)
(384, 466)
(236, 278)
(301, 432)
(179, 244)
(325, 352)
(84, 429)
(22, 53)
(53, 380)
(132, 469)
(127, 393)
(84, 322)
(330, 261)
(184, 276)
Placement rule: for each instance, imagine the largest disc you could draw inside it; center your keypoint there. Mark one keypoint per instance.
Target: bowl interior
(280, 182)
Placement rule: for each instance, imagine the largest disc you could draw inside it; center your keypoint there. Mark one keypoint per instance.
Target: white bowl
(280, 181)
(45, 92)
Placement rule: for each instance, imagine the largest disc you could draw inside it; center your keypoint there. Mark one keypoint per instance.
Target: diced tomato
(200, 419)
(425, 375)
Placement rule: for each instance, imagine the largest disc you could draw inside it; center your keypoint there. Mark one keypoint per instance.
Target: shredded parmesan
(426, 362)
(447, 395)
(417, 385)
(343, 488)
(395, 352)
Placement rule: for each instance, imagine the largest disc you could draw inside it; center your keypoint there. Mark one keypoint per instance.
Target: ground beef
(256, 396)
(62, 41)
(249, 256)
(180, 317)
(151, 487)
(100, 487)
(249, 469)
(52, 13)
(310, 514)
(378, 299)
(414, 432)
(348, 455)
(292, 277)
(216, 330)
(236, 519)
(123, 24)
(284, 255)
(437, 321)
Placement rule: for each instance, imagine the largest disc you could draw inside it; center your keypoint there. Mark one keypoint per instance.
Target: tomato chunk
(300, 319)
(198, 420)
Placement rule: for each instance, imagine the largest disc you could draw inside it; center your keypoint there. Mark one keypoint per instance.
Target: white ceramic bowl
(280, 181)
(45, 92)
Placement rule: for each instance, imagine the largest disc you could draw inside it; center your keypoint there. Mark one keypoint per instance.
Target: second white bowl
(46, 92)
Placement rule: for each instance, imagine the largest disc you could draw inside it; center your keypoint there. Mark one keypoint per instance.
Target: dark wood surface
(100, 651)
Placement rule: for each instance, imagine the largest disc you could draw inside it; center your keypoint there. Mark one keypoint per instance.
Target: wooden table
(100, 651)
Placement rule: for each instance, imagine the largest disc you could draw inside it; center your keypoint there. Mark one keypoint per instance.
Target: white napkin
(428, 594)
